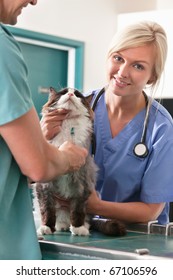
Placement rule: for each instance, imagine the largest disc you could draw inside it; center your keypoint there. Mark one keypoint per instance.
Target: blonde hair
(140, 34)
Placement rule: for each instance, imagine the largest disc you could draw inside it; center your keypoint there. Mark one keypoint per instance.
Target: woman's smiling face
(128, 71)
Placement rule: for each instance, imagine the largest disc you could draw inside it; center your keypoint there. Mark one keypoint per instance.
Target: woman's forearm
(129, 212)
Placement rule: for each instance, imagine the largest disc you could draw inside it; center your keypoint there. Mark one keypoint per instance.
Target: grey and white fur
(74, 186)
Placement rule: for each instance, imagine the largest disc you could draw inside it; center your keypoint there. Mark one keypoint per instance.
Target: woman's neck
(125, 106)
(121, 110)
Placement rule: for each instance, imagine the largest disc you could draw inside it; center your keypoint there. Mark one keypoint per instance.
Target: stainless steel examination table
(142, 241)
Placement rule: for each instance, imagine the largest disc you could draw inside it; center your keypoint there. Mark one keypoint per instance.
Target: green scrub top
(18, 239)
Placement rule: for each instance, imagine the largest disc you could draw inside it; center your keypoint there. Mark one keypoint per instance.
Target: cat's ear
(51, 98)
(52, 93)
(89, 98)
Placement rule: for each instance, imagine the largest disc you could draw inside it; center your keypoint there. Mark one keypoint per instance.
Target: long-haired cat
(75, 186)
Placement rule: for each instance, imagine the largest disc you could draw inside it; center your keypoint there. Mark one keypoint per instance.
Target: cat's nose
(70, 94)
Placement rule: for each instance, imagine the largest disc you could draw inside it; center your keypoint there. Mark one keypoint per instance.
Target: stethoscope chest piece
(140, 150)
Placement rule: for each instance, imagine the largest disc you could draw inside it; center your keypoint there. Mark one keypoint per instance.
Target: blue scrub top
(18, 238)
(124, 177)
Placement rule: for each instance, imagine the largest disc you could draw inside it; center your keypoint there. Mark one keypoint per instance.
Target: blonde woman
(135, 179)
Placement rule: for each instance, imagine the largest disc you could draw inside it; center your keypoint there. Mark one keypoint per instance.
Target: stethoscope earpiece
(140, 150)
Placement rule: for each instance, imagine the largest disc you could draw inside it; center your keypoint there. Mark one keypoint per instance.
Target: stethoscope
(140, 149)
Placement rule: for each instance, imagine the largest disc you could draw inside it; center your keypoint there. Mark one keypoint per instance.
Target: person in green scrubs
(24, 152)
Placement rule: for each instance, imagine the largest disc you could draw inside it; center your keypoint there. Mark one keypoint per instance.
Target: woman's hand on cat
(75, 156)
(51, 122)
(93, 202)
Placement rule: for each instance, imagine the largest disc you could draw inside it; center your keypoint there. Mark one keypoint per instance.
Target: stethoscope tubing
(94, 104)
(140, 148)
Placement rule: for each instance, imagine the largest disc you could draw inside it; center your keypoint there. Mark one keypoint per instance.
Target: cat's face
(70, 99)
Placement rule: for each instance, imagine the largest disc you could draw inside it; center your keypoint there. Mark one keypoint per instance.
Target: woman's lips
(120, 83)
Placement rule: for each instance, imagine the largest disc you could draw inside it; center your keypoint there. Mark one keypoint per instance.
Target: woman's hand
(51, 122)
(93, 202)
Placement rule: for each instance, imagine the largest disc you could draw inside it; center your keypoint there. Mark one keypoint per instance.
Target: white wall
(92, 21)
(164, 4)
(131, 6)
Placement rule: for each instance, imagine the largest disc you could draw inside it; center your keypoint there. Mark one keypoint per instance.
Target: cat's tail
(108, 226)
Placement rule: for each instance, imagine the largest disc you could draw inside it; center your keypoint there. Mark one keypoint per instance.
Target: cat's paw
(82, 230)
(43, 230)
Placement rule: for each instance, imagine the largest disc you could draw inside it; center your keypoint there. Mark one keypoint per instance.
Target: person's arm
(128, 212)
(38, 159)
